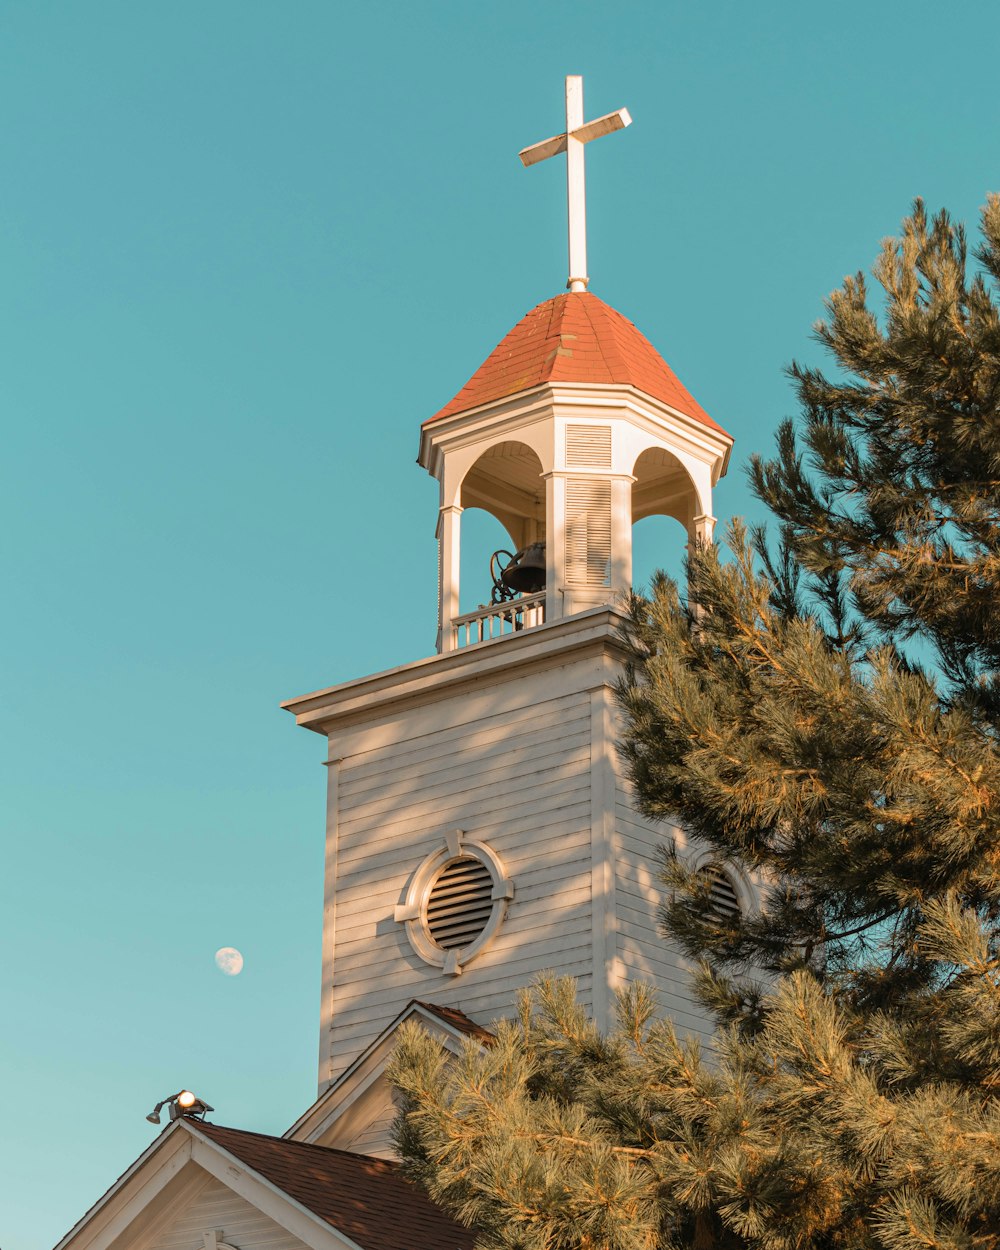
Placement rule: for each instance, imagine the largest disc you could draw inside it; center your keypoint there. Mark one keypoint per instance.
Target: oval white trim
(413, 910)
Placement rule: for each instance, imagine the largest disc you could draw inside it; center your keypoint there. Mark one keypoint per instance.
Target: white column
(555, 544)
(701, 528)
(621, 534)
(700, 531)
(449, 536)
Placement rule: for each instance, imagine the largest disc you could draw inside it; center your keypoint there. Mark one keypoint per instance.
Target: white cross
(577, 134)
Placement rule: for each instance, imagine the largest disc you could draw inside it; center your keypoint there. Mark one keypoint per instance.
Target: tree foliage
(821, 712)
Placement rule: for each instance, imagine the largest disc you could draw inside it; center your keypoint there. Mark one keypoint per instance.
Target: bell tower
(573, 428)
(479, 824)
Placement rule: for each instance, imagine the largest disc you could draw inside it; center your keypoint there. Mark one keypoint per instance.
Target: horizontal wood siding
(242, 1224)
(644, 955)
(509, 765)
(376, 1138)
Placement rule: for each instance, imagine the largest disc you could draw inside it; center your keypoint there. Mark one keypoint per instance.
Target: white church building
(479, 827)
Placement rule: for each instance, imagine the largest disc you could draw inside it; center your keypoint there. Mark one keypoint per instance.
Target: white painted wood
(449, 564)
(515, 746)
(642, 952)
(501, 716)
(555, 414)
(498, 620)
(184, 1186)
(605, 125)
(329, 908)
(702, 528)
(224, 1215)
(577, 134)
(529, 752)
(262, 1195)
(542, 151)
(602, 850)
(522, 761)
(140, 1196)
(345, 1108)
(376, 1137)
(576, 192)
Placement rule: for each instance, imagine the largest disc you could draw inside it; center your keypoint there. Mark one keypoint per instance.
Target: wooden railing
(495, 620)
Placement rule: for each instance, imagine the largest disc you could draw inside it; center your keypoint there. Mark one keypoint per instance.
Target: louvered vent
(588, 446)
(723, 900)
(588, 531)
(460, 903)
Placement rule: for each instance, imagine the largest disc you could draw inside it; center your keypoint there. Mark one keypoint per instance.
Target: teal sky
(245, 248)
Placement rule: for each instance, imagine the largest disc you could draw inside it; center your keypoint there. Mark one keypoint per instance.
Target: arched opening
(664, 504)
(503, 497)
(482, 534)
(658, 542)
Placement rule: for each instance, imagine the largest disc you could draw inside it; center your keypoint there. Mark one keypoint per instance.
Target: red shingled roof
(574, 338)
(366, 1199)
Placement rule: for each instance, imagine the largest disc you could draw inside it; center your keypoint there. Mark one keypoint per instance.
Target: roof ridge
(620, 360)
(291, 1141)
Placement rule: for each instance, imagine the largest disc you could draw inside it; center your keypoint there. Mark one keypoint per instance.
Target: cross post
(578, 132)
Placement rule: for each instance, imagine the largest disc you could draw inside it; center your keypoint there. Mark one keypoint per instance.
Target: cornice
(596, 631)
(526, 407)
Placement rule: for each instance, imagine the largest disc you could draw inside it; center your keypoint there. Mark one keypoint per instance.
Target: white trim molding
(413, 910)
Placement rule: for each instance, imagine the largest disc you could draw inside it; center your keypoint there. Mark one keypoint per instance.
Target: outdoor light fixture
(183, 1103)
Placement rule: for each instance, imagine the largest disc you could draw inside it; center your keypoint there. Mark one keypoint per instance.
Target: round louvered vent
(459, 903)
(723, 899)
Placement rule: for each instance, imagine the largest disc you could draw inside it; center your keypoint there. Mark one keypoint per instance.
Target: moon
(229, 960)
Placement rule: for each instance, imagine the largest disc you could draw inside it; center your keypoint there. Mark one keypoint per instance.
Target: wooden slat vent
(588, 446)
(460, 903)
(588, 531)
(723, 899)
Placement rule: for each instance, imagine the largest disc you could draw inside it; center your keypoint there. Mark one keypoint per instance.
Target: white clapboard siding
(472, 803)
(644, 953)
(382, 979)
(506, 960)
(512, 764)
(432, 751)
(495, 789)
(500, 710)
(368, 878)
(376, 1137)
(369, 888)
(485, 997)
(484, 1005)
(550, 817)
(504, 761)
(218, 1207)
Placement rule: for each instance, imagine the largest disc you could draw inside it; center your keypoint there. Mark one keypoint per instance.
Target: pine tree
(822, 712)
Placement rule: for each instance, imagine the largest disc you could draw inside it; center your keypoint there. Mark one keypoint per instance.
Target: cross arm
(542, 151)
(617, 120)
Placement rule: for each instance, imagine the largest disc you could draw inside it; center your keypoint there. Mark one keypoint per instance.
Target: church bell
(525, 574)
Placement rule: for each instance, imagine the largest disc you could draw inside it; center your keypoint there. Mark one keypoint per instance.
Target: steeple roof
(574, 337)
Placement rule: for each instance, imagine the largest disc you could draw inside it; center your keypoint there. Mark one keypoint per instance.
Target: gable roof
(366, 1199)
(574, 337)
(350, 1086)
(458, 1020)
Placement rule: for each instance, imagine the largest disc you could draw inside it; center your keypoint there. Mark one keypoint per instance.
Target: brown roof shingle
(459, 1020)
(575, 337)
(366, 1199)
